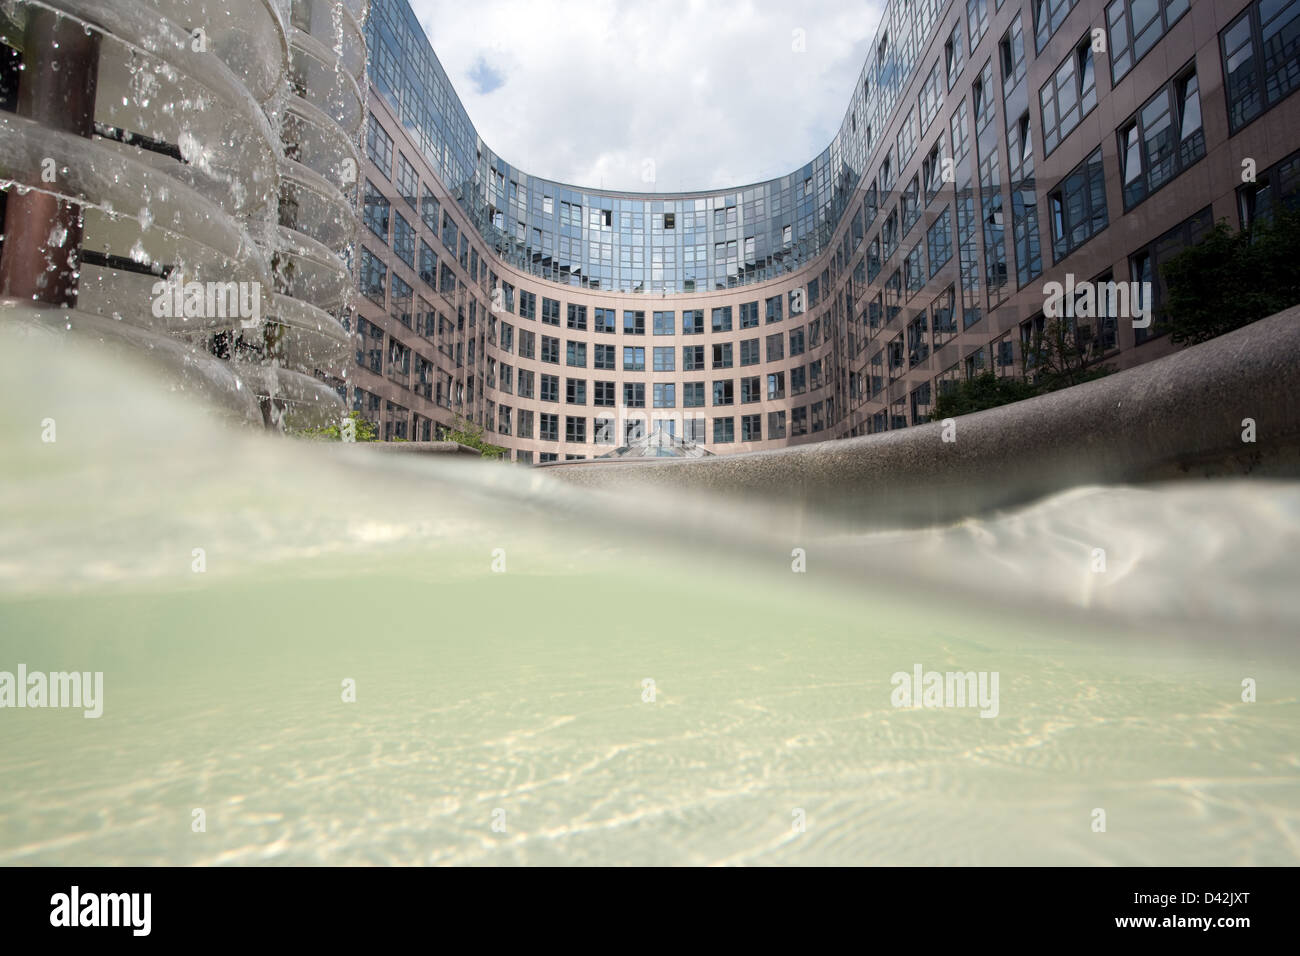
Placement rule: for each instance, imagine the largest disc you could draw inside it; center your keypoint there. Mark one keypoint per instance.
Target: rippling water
(518, 698)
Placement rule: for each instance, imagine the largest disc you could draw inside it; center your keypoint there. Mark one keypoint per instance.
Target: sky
(653, 95)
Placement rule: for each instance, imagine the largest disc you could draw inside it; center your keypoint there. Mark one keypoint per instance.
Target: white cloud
(713, 94)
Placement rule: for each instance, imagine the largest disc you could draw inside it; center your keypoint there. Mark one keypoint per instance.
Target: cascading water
(223, 157)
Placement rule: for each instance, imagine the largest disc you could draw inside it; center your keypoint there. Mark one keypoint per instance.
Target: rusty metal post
(57, 90)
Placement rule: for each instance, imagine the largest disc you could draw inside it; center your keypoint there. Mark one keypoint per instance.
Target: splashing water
(642, 679)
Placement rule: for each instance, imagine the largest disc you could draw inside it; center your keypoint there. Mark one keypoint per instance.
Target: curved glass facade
(988, 153)
(642, 242)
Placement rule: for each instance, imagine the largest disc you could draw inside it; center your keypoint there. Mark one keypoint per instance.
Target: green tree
(365, 430)
(1230, 279)
(986, 390)
(1061, 354)
(465, 432)
(1057, 356)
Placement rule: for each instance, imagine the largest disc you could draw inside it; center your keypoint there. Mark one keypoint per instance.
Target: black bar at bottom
(979, 907)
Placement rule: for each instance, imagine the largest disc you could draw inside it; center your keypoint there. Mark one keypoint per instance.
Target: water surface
(518, 697)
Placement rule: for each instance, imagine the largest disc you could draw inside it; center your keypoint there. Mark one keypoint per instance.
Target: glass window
(548, 427)
(606, 320)
(1162, 139)
(1078, 206)
(429, 211)
(428, 265)
(773, 307)
(952, 55)
(450, 233)
(1261, 59)
(408, 182)
(1048, 17)
(775, 347)
(372, 276)
(375, 210)
(1069, 96)
(379, 146)
(403, 239)
(977, 20)
(1277, 186)
(775, 425)
(939, 240)
(550, 349)
(550, 311)
(775, 385)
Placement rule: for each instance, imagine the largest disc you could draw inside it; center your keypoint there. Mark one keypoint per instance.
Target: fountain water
(211, 142)
(357, 658)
